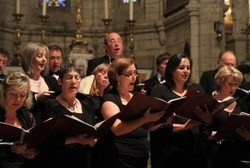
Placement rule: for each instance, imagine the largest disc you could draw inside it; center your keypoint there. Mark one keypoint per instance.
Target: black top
(7, 158)
(55, 153)
(175, 149)
(228, 153)
(221, 117)
(38, 107)
(131, 149)
(95, 102)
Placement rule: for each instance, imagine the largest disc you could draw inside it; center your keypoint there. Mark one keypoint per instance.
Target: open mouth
(104, 82)
(42, 66)
(73, 88)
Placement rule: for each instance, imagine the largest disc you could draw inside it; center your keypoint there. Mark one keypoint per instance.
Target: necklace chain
(37, 82)
(72, 106)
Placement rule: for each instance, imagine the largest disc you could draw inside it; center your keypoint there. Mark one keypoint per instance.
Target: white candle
(131, 10)
(17, 6)
(106, 10)
(249, 12)
(44, 8)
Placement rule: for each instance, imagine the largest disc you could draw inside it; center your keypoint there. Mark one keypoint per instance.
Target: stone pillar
(240, 15)
(193, 9)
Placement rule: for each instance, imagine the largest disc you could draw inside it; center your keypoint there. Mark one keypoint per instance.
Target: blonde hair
(225, 72)
(30, 51)
(95, 91)
(20, 81)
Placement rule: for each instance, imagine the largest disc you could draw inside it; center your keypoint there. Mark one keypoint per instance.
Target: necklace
(72, 106)
(37, 82)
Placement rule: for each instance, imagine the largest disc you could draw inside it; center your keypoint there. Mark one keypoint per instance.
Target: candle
(249, 12)
(44, 8)
(131, 10)
(17, 6)
(106, 12)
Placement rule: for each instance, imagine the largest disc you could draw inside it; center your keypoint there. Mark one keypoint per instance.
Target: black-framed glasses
(136, 74)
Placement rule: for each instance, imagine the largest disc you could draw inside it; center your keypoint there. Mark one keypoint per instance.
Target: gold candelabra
(78, 39)
(131, 37)
(43, 31)
(17, 43)
(106, 25)
(246, 31)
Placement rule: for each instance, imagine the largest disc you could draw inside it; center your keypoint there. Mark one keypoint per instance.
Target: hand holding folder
(229, 127)
(63, 124)
(204, 101)
(139, 103)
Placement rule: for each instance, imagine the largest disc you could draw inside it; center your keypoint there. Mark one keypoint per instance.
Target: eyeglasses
(70, 78)
(113, 41)
(136, 74)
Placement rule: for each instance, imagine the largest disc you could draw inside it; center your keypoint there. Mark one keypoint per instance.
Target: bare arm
(119, 128)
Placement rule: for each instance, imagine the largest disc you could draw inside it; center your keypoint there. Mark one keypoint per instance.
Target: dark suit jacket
(92, 64)
(207, 81)
(150, 83)
(244, 68)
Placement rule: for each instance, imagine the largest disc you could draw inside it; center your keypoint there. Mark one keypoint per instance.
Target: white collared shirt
(159, 78)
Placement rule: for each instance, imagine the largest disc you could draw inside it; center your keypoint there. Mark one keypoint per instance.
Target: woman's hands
(82, 139)
(243, 132)
(22, 150)
(30, 153)
(18, 148)
(182, 127)
(205, 116)
(41, 96)
(152, 117)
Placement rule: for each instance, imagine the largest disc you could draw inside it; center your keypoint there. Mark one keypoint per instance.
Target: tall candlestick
(249, 12)
(131, 10)
(44, 8)
(106, 10)
(17, 6)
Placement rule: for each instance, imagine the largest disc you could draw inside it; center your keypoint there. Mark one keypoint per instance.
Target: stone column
(193, 9)
(240, 15)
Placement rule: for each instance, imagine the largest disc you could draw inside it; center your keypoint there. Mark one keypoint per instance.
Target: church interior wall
(153, 33)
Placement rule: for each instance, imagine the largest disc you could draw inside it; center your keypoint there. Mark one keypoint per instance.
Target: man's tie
(54, 73)
(111, 60)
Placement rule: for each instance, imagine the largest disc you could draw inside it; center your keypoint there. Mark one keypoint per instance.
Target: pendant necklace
(72, 106)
